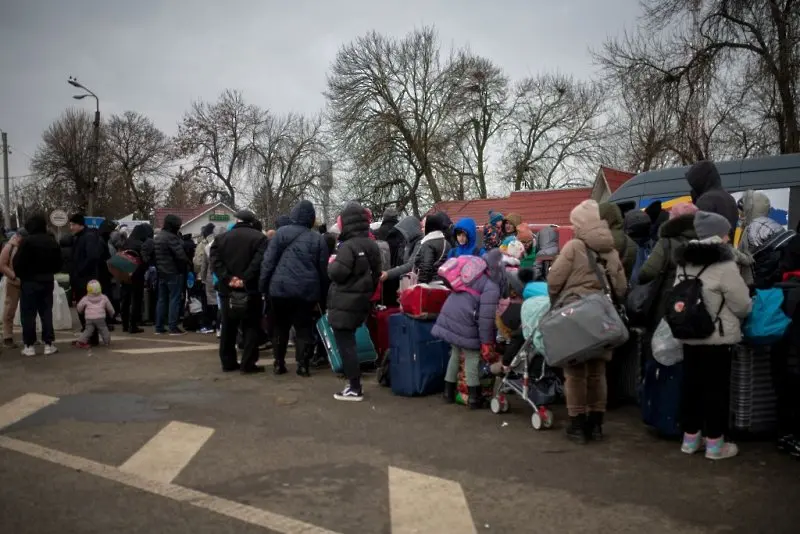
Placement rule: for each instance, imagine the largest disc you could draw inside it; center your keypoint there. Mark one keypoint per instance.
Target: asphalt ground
(279, 454)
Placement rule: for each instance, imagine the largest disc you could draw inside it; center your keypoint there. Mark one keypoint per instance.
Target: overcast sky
(155, 57)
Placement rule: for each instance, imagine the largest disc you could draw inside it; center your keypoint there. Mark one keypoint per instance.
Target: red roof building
(535, 207)
(609, 180)
(186, 214)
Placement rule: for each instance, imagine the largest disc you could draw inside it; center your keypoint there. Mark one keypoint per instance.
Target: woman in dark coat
(354, 275)
(433, 249)
(133, 293)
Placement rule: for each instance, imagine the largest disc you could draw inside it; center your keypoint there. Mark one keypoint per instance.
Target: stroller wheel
(547, 418)
(536, 421)
(498, 405)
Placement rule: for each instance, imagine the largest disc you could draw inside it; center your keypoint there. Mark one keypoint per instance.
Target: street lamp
(96, 148)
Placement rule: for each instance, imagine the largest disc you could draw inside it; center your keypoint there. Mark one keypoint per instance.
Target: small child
(95, 306)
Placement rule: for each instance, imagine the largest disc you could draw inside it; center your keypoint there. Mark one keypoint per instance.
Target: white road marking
(22, 407)
(162, 350)
(421, 504)
(168, 452)
(241, 512)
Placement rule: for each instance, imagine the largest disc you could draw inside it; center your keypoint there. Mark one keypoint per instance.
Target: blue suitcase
(364, 347)
(661, 398)
(417, 360)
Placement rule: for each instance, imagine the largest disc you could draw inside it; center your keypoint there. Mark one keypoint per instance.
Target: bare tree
(185, 190)
(764, 34)
(285, 154)
(64, 158)
(485, 110)
(216, 136)
(556, 132)
(395, 98)
(139, 152)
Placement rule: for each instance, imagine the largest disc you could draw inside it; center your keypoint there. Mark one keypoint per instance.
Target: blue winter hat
(535, 289)
(495, 217)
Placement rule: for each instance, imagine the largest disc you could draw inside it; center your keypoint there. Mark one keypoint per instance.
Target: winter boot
(718, 449)
(475, 400)
(594, 426)
(449, 392)
(576, 431)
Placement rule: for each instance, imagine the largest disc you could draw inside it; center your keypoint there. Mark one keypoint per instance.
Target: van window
(626, 206)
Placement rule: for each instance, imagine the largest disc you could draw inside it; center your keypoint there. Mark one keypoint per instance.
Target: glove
(487, 354)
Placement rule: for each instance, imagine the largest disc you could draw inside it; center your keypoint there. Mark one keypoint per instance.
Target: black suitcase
(753, 406)
(624, 371)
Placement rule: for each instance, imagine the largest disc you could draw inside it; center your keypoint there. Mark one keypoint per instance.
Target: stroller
(531, 379)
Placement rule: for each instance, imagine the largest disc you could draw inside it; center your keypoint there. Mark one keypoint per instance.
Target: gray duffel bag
(583, 328)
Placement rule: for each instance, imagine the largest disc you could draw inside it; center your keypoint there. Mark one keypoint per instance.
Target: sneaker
(205, 331)
(219, 333)
(718, 449)
(29, 351)
(692, 443)
(789, 444)
(81, 345)
(177, 332)
(348, 394)
(50, 349)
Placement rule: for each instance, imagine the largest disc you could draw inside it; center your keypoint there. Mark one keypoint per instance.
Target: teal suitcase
(364, 347)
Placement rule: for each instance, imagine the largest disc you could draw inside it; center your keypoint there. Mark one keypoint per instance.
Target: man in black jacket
(171, 264)
(236, 257)
(88, 251)
(37, 261)
(354, 275)
(294, 276)
(133, 293)
(708, 194)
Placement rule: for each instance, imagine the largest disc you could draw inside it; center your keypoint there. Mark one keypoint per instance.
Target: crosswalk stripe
(245, 513)
(22, 407)
(168, 452)
(422, 503)
(161, 350)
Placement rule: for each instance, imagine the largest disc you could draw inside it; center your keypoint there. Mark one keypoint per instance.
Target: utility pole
(95, 159)
(6, 194)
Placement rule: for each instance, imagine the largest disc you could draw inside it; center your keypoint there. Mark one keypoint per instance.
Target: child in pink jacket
(96, 307)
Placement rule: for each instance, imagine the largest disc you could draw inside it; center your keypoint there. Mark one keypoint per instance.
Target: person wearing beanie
(677, 231)
(132, 294)
(88, 251)
(707, 362)
(525, 236)
(510, 224)
(171, 263)
(708, 194)
(492, 231)
(624, 245)
(573, 275)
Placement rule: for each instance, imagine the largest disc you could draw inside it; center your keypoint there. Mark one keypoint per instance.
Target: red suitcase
(423, 301)
(378, 325)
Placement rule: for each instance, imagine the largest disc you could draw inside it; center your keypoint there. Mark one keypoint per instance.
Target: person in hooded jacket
(133, 293)
(404, 241)
(467, 323)
(294, 276)
(36, 263)
(88, 251)
(493, 230)
(354, 275)
(707, 362)
(573, 275)
(171, 264)
(388, 222)
(677, 231)
(623, 244)
(433, 248)
(237, 256)
(708, 195)
(466, 236)
(762, 238)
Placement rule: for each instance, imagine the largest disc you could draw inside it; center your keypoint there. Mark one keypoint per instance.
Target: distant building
(219, 214)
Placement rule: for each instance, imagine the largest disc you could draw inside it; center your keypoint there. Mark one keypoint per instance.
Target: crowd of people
(254, 286)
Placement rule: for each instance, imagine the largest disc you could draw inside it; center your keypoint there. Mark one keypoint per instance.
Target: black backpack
(686, 312)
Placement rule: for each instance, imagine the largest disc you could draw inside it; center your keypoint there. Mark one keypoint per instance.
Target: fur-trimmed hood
(704, 253)
(681, 226)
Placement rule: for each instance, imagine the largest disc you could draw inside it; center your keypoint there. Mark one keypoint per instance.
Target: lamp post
(96, 148)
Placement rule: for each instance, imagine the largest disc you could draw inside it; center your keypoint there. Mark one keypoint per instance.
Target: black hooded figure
(294, 278)
(171, 263)
(37, 261)
(708, 194)
(133, 294)
(433, 248)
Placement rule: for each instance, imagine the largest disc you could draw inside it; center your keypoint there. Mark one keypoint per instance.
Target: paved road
(151, 437)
